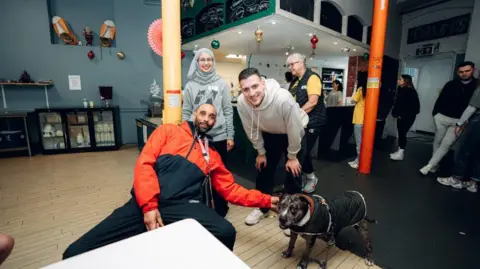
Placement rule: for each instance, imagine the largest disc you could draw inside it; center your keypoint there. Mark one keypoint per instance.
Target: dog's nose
(282, 218)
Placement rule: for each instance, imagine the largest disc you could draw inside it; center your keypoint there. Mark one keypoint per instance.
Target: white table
(184, 244)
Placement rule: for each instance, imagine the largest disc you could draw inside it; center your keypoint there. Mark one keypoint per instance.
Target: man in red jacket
(173, 180)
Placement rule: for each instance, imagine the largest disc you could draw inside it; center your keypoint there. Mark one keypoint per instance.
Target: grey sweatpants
(357, 131)
(445, 137)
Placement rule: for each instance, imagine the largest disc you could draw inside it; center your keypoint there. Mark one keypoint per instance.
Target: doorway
(429, 76)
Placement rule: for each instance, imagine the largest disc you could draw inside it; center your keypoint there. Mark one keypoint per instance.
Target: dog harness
(328, 215)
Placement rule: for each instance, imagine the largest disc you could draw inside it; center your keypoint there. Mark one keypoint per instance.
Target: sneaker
(426, 169)
(450, 181)
(471, 186)
(397, 156)
(255, 217)
(393, 153)
(353, 164)
(310, 183)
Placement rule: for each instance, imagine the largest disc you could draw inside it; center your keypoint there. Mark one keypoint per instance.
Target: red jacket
(162, 173)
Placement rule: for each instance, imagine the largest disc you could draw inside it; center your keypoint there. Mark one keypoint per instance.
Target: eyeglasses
(207, 60)
(292, 64)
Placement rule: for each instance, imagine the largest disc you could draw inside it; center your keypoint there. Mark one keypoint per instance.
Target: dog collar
(311, 203)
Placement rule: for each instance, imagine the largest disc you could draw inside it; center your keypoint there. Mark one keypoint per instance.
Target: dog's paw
(302, 266)
(369, 262)
(287, 253)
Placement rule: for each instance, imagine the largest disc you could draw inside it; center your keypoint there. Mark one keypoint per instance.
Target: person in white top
(274, 123)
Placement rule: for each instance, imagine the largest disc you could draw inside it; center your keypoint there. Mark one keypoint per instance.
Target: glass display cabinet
(70, 130)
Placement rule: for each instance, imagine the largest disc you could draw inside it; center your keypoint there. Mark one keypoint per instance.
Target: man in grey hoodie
(274, 123)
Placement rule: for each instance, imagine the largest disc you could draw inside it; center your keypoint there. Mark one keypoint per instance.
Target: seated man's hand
(152, 220)
(274, 203)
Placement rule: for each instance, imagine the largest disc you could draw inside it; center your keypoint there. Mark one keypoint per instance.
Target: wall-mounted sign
(427, 49)
(440, 29)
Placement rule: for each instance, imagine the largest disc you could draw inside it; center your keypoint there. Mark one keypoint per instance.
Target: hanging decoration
(121, 55)
(88, 34)
(155, 39)
(314, 41)
(91, 55)
(215, 44)
(258, 34)
(183, 54)
(365, 56)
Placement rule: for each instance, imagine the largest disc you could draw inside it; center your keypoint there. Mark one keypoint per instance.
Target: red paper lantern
(91, 55)
(183, 54)
(314, 41)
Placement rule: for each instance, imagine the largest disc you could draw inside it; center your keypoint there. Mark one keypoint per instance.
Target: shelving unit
(329, 75)
(45, 86)
(14, 133)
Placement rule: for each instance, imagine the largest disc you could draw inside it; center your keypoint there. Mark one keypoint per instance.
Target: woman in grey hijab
(205, 86)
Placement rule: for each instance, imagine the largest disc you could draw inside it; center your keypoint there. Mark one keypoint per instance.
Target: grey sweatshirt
(217, 94)
(277, 114)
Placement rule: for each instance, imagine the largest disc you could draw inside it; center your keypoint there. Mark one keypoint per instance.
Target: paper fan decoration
(155, 37)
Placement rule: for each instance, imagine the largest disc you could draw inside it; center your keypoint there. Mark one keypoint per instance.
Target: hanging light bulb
(312, 55)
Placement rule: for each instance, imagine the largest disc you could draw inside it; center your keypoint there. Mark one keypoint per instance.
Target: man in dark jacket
(173, 180)
(448, 109)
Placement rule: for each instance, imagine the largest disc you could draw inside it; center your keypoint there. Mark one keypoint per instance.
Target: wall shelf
(45, 86)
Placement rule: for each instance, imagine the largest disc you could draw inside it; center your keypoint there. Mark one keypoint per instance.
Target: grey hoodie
(277, 114)
(217, 94)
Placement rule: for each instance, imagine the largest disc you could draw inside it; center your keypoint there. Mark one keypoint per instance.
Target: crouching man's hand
(152, 220)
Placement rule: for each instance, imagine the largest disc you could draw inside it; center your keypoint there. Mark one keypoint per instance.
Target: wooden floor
(46, 202)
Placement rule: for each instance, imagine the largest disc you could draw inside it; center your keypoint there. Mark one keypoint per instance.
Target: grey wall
(26, 45)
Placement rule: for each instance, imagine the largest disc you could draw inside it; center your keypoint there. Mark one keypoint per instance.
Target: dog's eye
(293, 210)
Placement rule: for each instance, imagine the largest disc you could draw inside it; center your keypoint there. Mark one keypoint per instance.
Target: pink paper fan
(155, 37)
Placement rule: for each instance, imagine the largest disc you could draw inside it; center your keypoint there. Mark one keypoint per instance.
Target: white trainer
(255, 217)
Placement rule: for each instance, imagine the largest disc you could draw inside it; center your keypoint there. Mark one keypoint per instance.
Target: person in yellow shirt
(358, 99)
(306, 88)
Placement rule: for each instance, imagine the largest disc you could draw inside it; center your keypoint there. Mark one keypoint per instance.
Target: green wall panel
(208, 17)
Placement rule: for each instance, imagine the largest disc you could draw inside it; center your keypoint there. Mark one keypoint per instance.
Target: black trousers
(403, 126)
(127, 221)
(311, 136)
(467, 157)
(221, 205)
(276, 147)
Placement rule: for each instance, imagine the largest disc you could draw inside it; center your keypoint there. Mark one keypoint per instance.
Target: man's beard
(200, 129)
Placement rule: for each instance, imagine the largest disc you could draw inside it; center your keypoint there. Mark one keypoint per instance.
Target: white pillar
(317, 9)
(474, 37)
(344, 25)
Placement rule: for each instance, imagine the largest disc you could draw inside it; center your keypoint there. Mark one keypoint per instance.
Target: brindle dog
(312, 217)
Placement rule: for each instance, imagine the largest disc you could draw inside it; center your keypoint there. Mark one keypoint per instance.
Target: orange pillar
(172, 72)
(379, 25)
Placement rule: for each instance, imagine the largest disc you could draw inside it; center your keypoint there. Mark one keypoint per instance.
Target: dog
(312, 217)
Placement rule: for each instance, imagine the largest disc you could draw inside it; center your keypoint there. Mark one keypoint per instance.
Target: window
(354, 28)
(330, 17)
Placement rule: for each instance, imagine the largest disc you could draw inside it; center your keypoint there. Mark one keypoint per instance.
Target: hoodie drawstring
(251, 126)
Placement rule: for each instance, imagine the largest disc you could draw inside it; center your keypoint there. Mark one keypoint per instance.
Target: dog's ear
(279, 194)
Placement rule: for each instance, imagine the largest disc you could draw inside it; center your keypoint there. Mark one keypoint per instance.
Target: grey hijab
(197, 75)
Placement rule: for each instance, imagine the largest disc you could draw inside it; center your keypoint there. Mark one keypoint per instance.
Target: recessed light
(239, 32)
(335, 43)
(354, 49)
(274, 22)
(234, 56)
(310, 34)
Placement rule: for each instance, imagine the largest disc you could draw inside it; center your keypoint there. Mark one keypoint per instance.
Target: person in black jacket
(405, 109)
(448, 109)
(385, 103)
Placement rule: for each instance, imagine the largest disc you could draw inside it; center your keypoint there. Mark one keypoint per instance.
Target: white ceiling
(280, 32)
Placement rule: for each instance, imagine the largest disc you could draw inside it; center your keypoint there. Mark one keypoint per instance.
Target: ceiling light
(310, 34)
(274, 22)
(234, 56)
(346, 50)
(335, 43)
(354, 49)
(239, 32)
